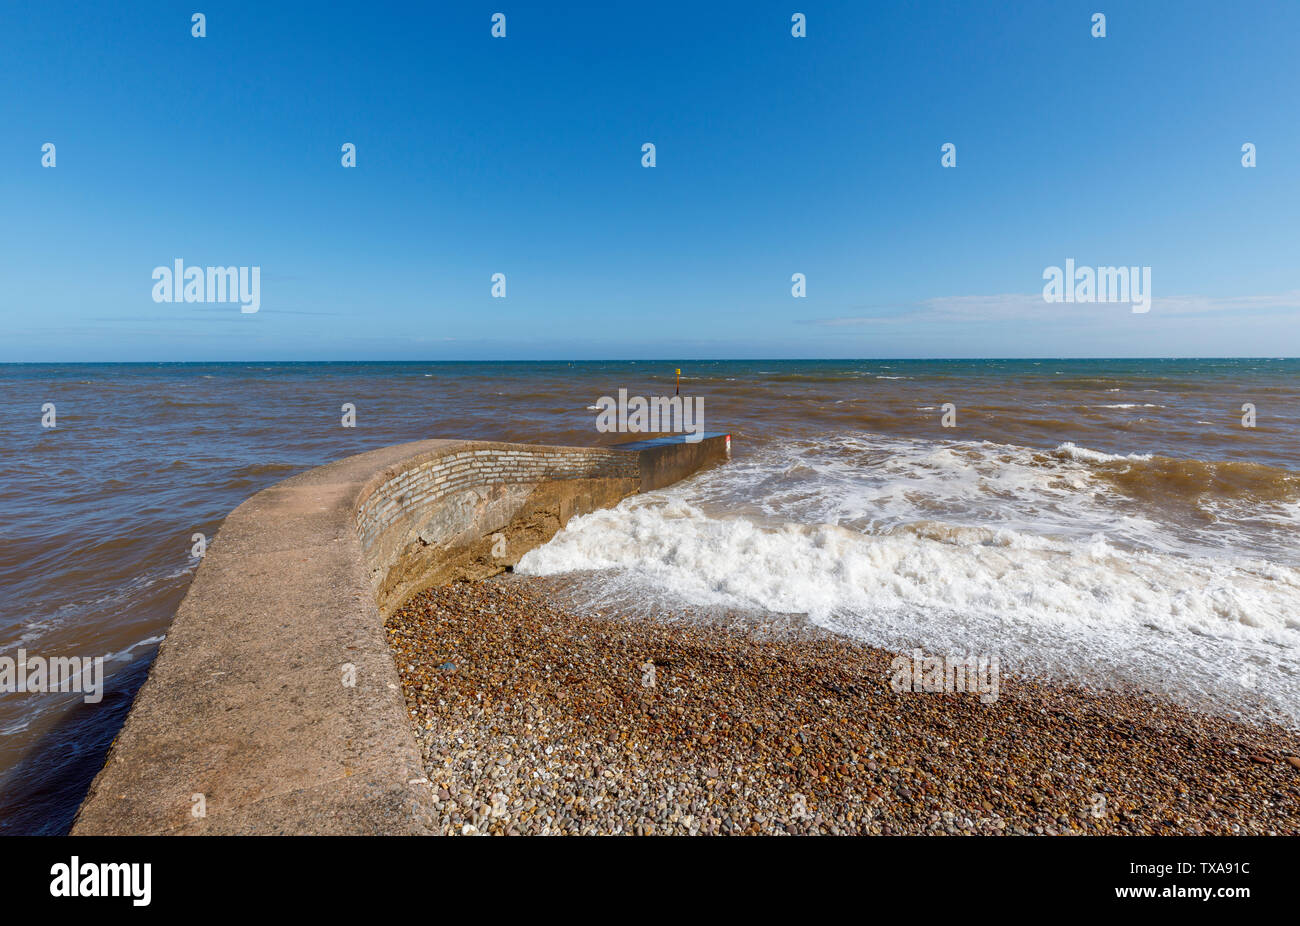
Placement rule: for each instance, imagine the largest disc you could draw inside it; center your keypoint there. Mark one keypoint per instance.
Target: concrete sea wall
(273, 705)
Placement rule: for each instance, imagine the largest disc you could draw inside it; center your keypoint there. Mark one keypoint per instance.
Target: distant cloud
(1010, 306)
(1244, 305)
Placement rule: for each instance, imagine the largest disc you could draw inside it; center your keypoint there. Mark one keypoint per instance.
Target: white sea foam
(958, 547)
(1096, 456)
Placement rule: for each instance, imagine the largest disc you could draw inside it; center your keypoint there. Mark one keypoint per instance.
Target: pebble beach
(535, 719)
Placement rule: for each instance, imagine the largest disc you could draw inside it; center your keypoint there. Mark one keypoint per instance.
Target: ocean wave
(1076, 609)
(1203, 484)
(1140, 501)
(1111, 568)
(1068, 449)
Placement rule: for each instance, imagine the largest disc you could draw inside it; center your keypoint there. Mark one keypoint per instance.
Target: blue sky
(522, 156)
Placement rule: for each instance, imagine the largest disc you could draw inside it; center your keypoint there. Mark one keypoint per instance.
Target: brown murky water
(1112, 512)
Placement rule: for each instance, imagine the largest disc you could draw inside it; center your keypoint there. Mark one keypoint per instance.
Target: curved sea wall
(273, 705)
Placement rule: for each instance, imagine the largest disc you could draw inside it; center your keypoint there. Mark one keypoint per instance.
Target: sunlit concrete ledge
(273, 704)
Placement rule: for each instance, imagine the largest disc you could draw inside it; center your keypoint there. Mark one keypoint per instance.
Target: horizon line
(637, 360)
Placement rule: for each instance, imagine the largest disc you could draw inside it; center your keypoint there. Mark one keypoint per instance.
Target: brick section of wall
(421, 487)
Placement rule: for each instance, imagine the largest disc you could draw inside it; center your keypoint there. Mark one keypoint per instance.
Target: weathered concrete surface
(665, 460)
(246, 703)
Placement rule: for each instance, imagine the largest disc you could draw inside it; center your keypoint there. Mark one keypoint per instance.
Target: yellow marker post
(679, 382)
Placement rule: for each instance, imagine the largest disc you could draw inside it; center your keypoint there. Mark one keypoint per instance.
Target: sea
(1123, 524)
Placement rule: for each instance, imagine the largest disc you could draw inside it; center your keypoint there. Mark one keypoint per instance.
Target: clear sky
(774, 155)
